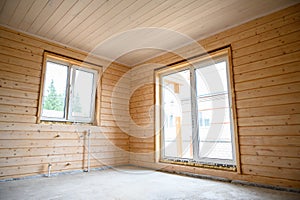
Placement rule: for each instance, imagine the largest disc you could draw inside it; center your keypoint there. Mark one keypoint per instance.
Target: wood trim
(188, 64)
(68, 60)
(40, 100)
(234, 112)
(72, 61)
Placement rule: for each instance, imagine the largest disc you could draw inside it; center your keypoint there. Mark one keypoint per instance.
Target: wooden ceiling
(130, 31)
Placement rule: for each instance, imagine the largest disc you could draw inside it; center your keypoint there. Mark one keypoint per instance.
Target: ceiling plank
(155, 37)
(68, 17)
(44, 15)
(137, 18)
(208, 23)
(106, 17)
(32, 14)
(2, 3)
(20, 12)
(115, 20)
(94, 17)
(8, 11)
(123, 26)
(78, 20)
(58, 15)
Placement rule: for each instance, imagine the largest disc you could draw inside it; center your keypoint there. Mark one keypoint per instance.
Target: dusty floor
(132, 183)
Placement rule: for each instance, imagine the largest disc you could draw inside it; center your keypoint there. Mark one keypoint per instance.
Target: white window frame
(192, 65)
(93, 96)
(72, 65)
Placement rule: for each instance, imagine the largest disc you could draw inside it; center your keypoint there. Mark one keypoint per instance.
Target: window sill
(66, 123)
(199, 165)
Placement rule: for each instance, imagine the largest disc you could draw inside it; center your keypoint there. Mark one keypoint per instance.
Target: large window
(69, 91)
(196, 116)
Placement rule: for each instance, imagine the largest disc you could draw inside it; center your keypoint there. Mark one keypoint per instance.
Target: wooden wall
(26, 148)
(266, 67)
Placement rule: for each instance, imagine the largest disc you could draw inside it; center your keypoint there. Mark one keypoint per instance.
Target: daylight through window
(196, 116)
(69, 92)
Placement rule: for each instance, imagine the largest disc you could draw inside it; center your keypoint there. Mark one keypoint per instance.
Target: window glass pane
(177, 129)
(213, 112)
(54, 94)
(83, 94)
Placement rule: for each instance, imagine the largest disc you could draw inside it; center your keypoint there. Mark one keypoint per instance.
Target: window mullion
(194, 113)
(68, 109)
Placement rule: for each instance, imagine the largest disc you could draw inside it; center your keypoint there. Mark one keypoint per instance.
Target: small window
(69, 91)
(204, 131)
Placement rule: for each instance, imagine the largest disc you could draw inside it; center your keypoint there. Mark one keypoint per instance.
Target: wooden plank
(269, 81)
(269, 101)
(8, 11)
(31, 14)
(20, 12)
(21, 161)
(293, 141)
(20, 54)
(18, 85)
(145, 103)
(267, 72)
(269, 44)
(258, 25)
(285, 151)
(115, 117)
(57, 16)
(139, 140)
(111, 15)
(43, 16)
(50, 151)
(43, 135)
(53, 47)
(18, 93)
(137, 98)
(20, 62)
(92, 19)
(117, 89)
(261, 64)
(113, 83)
(19, 69)
(269, 53)
(141, 110)
(278, 182)
(18, 102)
(116, 100)
(20, 46)
(12, 109)
(276, 172)
(291, 119)
(57, 167)
(273, 161)
(17, 118)
(19, 77)
(59, 143)
(288, 130)
(149, 146)
(109, 76)
(273, 33)
(249, 37)
(269, 110)
(52, 127)
(141, 116)
(144, 157)
(269, 91)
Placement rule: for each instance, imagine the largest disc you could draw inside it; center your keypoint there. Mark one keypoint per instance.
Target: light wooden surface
(26, 148)
(91, 23)
(266, 79)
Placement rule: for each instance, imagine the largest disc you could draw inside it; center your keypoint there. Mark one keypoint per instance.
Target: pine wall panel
(26, 148)
(266, 74)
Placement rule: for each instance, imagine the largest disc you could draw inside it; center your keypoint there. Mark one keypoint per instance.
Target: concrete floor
(132, 183)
